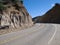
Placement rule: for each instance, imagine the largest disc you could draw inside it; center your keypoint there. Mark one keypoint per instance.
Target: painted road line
(53, 35)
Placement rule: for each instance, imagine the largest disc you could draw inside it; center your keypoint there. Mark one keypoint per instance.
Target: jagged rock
(15, 15)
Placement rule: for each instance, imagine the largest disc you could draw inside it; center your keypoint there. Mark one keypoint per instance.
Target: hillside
(51, 16)
(13, 15)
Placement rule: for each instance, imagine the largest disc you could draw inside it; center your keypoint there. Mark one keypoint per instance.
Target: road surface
(39, 34)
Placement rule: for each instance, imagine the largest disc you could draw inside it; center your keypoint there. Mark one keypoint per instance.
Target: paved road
(39, 34)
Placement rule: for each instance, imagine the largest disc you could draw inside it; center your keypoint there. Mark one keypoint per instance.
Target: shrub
(14, 1)
(21, 1)
(2, 7)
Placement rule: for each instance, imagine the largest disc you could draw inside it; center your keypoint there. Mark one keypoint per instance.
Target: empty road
(39, 34)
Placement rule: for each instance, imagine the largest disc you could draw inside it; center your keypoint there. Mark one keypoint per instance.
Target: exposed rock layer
(15, 15)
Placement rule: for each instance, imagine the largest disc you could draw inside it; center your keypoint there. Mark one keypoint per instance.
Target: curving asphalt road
(39, 34)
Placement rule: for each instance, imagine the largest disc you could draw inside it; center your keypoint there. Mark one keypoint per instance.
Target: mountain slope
(52, 16)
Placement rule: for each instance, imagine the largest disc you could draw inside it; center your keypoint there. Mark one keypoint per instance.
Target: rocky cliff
(13, 14)
(51, 16)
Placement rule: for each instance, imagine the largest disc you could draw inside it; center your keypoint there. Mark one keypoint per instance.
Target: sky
(39, 7)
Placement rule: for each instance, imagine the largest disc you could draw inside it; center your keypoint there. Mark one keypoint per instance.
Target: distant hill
(51, 16)
(37, 19)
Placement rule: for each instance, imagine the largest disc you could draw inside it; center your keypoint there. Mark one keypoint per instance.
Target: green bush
(21, 1)
(14, 1)
(2, 7)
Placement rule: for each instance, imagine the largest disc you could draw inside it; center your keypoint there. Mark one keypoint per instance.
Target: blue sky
(39, 7)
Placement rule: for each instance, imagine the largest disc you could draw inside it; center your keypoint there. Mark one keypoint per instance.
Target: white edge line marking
(53, 35)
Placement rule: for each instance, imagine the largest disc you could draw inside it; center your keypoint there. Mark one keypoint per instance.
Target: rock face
(14, 15)
(52, 16)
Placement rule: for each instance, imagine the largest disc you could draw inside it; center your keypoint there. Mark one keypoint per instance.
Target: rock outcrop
(13, 14)
(52, 16)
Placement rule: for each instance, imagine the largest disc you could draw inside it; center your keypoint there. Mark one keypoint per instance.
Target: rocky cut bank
(13, 14)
